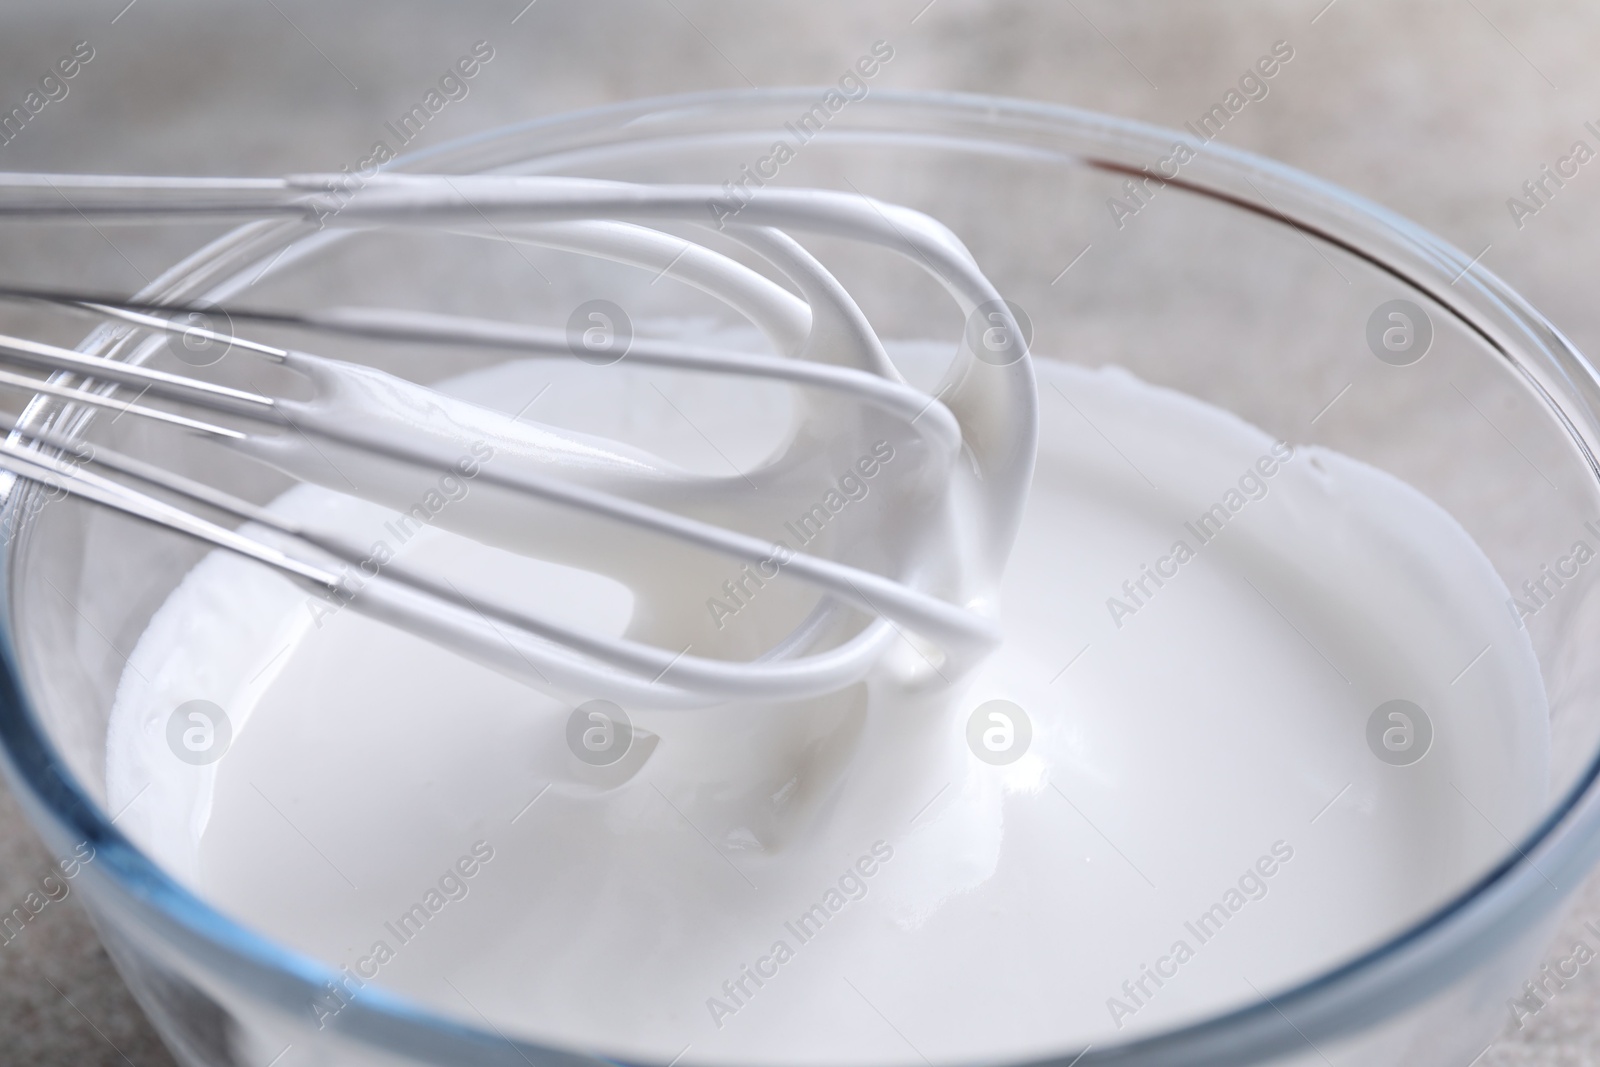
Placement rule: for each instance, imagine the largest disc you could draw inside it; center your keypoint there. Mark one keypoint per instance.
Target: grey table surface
(1440, 109)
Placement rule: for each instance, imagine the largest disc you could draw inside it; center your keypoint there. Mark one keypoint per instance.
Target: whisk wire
(557, 213)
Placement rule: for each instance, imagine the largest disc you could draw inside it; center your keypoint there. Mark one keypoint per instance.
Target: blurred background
(1438, 109)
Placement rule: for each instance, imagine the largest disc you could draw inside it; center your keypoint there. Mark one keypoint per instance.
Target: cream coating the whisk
(922, 564)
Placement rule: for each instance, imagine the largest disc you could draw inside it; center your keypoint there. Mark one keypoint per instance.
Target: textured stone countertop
(1440, 109)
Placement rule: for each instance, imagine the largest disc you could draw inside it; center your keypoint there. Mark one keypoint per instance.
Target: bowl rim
(1504, 904)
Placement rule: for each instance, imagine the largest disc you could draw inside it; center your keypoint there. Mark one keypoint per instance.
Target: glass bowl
(1311, 313)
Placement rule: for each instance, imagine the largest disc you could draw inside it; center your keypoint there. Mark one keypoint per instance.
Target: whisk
(923, 572)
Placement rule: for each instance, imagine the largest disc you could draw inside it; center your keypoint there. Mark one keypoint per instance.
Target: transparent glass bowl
(1239, 281)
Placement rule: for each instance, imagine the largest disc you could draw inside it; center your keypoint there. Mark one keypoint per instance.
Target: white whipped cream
(843, 879)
